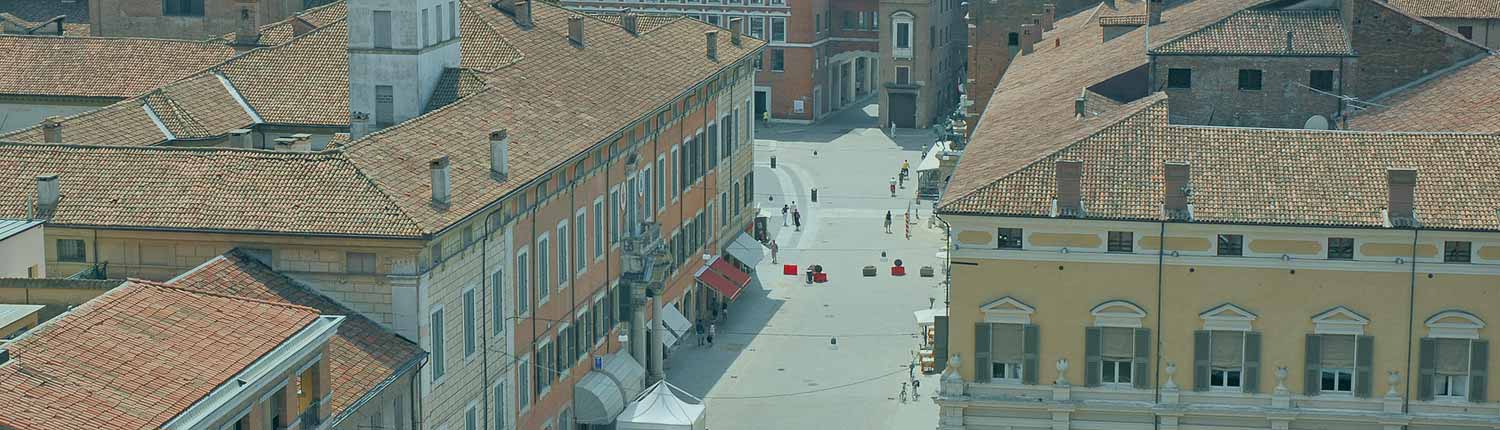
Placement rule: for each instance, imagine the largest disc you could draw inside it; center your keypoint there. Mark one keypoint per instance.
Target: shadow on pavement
(698, 369)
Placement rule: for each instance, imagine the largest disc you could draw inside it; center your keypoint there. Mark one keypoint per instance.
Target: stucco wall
(18, 114)
(23, 252)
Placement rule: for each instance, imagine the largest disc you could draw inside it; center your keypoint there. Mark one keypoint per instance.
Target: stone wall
(1284, 101)
(1395, 49)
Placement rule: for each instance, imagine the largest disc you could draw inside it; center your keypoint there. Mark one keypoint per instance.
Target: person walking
(893, 187)
(699, 328)
(887, 222)
(773, 251)
(712, 330)
(785, 215)
(797, 219)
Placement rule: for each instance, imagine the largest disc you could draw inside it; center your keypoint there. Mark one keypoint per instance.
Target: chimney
(52, 129)
(240, 138)
(440, 189)
(500, 153)
(1028, 38)
(507, 6)
(734, 30)
(575, 30)
(46, 194)
(1079, 106)
(711, 39)
(628, 21)
(1153, 11)
(1069, 176)
(1177, 183)
(1402, 189)
(246, 33)
(1049, 15)
(285, 143)
(523, 13)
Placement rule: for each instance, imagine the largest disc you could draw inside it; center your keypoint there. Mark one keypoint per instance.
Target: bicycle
(902, 397)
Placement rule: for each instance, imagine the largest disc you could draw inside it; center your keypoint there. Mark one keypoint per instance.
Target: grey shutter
(1479, 355)
(1142, 364)
(1425, 370)
(1200, 360)
(1091, 360)
(982, 366)
(940, 343)
(1030, 343)
(1312, 378)
(1364, 351)
(1251, 377)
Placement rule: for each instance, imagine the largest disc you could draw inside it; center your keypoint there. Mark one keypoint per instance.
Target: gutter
(411, 365)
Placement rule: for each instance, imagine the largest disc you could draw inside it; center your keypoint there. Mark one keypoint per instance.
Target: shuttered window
(1006, 352)
(1338, 363)
(1453, 369)
(1225, 360)
(1117, 356)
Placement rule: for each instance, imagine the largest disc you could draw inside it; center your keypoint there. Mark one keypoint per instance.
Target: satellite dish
(1317, 122)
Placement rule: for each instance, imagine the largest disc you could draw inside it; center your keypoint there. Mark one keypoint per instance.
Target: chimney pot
(52, 129)
(1178, 179)
(1069, 178)
(1028, 38)
(46, 194)
(240, 138)
(1401, 207)
(500, 153)
(575, 30)
(734, 30)
(711, 40)
(440, 181)
(1049, 15)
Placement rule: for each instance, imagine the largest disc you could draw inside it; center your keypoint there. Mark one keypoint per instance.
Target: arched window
(901, 38)
(1454, 360)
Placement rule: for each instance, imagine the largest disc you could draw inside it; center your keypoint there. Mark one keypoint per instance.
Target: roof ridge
(184, 149)
(157, 284)
(261, 50)
(389, 201)
(490, 25)
(74, 39)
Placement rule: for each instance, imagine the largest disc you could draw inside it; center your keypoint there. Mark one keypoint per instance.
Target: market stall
(660, 408)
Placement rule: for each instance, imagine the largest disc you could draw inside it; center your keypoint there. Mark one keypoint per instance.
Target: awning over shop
(932, 160)
(747, 250)
(723, 277)
(625, 370)
(600, 396)
(728, 271)
(925, 317)
(674, 324)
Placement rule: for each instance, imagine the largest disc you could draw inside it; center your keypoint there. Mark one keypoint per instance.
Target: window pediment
(1227, 316)
(1454, 324)
(1339, 320)
(1118, 313)
(1007, 310)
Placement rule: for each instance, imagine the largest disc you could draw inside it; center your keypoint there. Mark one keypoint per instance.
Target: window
(563, 269)
(1249, 80)
(1467, 31)
(452, 20)
(1121, 241)
(660, 181)
(426, 27)
(1179, 78)
(524, 374)
(614, 216)
(598, 228)
(439, 367)
(1454, 369)
(182, 7)
(1340, 248)
(1231, 244)
(1117, 355)
(523, 287)
(1336, 363)
(470, 321)
(850, 21)
(677, 167)
(439, 20)
(903, 75)
(545, 362)
(543, 269)
(497, 300)
(1008, 238)
(381, 27)
(903, 35)
(72, 250)
(1454, 251)
(931, 37)
(1321, 80)
(385, 106)
(580, 239)
(359, 262)
(471, 418)
(818, 23)
(1013, 39)
(778, 60)
(1226, 359)
(758, 27)
(468, 235)
(1007, 352)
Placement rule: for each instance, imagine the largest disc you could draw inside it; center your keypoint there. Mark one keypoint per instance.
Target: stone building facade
(922, 59)
(186, 19)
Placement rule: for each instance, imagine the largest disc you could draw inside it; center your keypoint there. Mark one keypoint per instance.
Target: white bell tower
(397, 51)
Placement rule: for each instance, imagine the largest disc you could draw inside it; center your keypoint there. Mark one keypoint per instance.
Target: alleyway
(773, 366)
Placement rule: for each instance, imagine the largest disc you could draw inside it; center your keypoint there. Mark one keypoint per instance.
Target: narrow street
(774, 364)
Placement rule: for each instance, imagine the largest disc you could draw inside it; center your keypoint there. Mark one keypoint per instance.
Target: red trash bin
(820, 277)
(898, 271)
(789, 269)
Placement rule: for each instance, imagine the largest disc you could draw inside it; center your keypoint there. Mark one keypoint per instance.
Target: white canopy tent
(925, 317)
(931, 160)
(747, 250)
(659, 408)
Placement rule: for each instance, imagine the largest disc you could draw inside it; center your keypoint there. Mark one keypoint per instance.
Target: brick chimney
(1069, 178)
(52, 129)
(246, 32)
(1153, 11)
(735, 25)
(441, 189)
(1049, 16)
(711, 42)
(500, 154)
(1028, 38)
(47, 194)
(575, 30)
(628, 20)
(1177, 179)
(241, 138)
(523, 13)
(1401, 192)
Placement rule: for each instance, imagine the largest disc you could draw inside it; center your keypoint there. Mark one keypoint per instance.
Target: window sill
(1227, 390)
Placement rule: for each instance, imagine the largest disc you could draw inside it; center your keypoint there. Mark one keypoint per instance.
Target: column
(850, 84)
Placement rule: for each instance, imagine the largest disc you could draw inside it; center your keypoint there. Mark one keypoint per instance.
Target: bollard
(815, 195)
(809, 276)
(773, 161)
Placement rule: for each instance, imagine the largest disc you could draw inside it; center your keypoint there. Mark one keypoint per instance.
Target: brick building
(995, 29)
(924, 53)
(187, 19)
(476, 224)
(1477, 20)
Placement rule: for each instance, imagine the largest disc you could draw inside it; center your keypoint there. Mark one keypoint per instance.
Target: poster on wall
(797, 106)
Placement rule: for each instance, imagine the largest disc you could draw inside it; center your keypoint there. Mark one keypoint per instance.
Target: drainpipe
(1411, 315)
(1161, 267)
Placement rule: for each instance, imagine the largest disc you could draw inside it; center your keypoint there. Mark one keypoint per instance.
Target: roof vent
(711, 42)
(52, 129)
(575, 30)
(734, 30)
(47, 194)
(1178, 184)
(1069, 197)
(500, 153)
(441, 192)
(628, 20)
(1401, 194)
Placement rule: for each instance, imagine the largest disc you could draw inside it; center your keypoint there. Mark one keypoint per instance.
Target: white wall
(21, 251)
(21, 115)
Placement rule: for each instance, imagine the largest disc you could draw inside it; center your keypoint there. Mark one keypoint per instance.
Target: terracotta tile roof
(69, 28)
(361, 356)
(303, 82)
(1295, 32)
(125, 123)
(195, 108)
(201, 189)
(1462, 100)
(283, 31)
(42, 10)
(136, 357)
(99, 67)
(644, 22)
(1123, 20)
(1260, 176)
(453, 85)
(1481, 9)
(1031, 112)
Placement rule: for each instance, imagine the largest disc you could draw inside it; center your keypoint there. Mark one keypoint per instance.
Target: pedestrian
(797, 219)
(713, 329)
(785, 214)
(699, 328)
(893, 187)
(905, 166)
(915, 384)
(794, 205)
(767, 116)
(887, 222)
(726, 309)
(903, 180)
(773, 251)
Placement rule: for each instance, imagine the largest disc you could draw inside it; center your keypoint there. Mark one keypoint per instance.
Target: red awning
(730, 272)
(719, 283)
